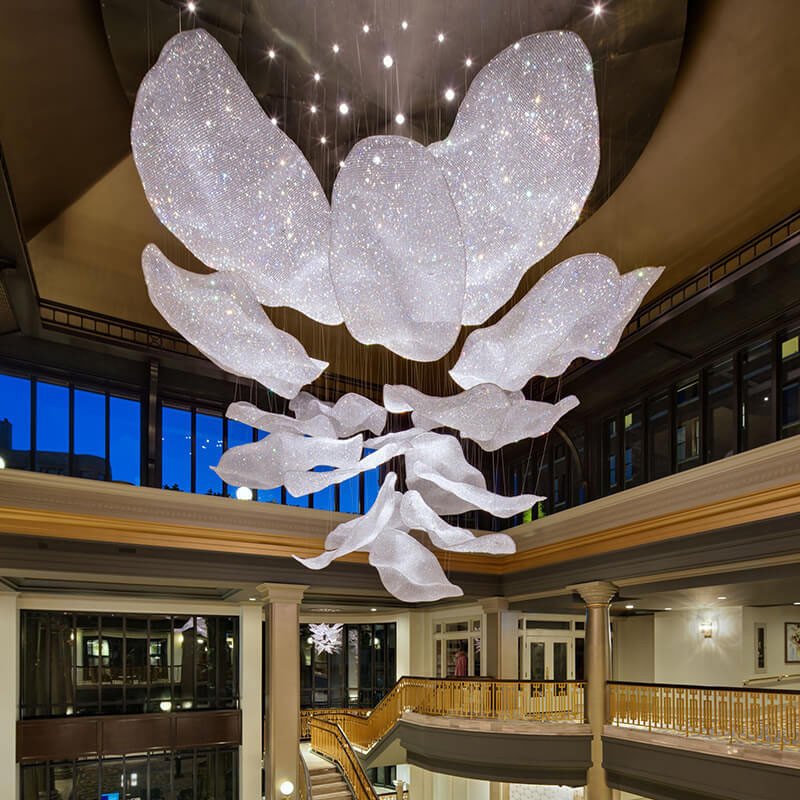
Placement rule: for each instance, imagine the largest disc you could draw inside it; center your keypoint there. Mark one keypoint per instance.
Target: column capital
(281, 592)
(491, 605)
(595, 593)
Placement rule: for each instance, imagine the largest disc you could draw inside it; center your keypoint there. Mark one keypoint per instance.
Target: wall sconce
(286, 788)
(706, 629)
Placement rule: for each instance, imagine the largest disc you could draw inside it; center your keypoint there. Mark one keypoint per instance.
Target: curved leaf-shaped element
(350, 414)
(230, 185)
(397, 255)
(449, 484)
(487, 414)
(418, 515)
(220, 316)
(408, 570)
(248, 414)
(520, 160)
(578, 309)
(265, 463)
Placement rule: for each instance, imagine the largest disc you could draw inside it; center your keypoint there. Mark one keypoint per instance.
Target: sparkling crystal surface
(350, 414)
(220, 316)
(520, 160)
(326, 638)
(397, 255)
(230, 185)
(579, 308)
(249, 414)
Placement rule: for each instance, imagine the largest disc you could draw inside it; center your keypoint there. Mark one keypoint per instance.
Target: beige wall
(774, 618)
(8, 692)
(634, 649)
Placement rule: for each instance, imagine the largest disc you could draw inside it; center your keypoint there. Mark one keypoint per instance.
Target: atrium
(399, 400)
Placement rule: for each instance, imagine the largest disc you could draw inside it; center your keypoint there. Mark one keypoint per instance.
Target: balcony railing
(749, 716)
(328, 738)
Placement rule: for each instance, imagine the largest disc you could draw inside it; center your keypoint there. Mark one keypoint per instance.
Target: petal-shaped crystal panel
(253, 416)
(578, 309)
(230, 185)
(265, 463)
(350, 414)
(527, 419)
(220, 316)
(397, 255)
(520, 160)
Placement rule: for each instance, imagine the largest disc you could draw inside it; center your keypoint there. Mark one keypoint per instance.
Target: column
(251, 652)
(283, 684)
(597, 654)
(499, 639)
(9, 688)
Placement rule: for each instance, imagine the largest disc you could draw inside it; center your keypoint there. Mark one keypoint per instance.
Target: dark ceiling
(636, 46)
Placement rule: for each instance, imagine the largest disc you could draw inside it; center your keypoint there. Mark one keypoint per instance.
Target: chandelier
(415, 243)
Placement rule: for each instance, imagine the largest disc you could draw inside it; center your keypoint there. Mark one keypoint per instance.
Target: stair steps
(328, 784)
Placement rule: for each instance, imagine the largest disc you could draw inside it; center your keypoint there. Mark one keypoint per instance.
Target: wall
(683, 655)
(774, 618)
(521, 791)
(634, 649)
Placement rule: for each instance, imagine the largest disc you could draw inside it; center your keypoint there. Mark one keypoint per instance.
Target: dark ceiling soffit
(15, 268)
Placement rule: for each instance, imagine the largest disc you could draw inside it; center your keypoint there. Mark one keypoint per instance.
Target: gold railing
(755, 716)
(303, 780)
(472, 698)
(328, 738)
(307, 713)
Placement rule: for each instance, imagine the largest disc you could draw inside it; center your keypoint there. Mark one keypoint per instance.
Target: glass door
(547, 659)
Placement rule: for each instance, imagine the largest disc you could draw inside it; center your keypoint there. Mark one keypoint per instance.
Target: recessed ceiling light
(722, 597)
(274, 120)
(404, 25)
(629, 606)
(191, 7)
(597, 9)
(341, 164)
(668, 608)
(373, 609)
(251, 598)
(400, 119)
(388, 61)
(344, 108)
(313, 109)
(440, 37)
(468, 62)
(271, 53)
(323, 139)
(797, 603)
(317, 77)
(449, 95)
(335, 48)
(365, 28)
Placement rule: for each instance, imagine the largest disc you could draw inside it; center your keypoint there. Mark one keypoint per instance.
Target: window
(659, 437)
(52, 428)
(176, 449)
(687, 424)
(789, 376)
(125, 440)
(326, 498)
(371, 484)
(610, 476)
(632, 446)
(349, 495)
(207, 453)
(15, 421)
(560, 476)
(238, 433)
(720, 411)
(89, 422)
(756, 380)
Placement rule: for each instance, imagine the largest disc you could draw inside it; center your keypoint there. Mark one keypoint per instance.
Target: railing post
(597, 596)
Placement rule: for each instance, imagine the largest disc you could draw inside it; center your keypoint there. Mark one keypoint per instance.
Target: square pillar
(9, 690)
(282, 603)
(499, 639)
(251, 652)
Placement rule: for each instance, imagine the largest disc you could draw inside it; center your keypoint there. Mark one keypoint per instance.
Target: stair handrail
(328, 738)
(306, 790)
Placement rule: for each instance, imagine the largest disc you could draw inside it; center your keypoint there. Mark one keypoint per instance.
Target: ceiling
(698, 153)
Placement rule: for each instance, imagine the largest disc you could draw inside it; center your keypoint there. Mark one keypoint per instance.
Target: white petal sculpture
(230, 185)
(408, 570)
(350, 414)
(418, 515)
(326, 638)
(485, 413)
(579, 308)
(249, 414)
(520, 160)
(437, 469)
(220, 316)
(264, 464)
(397, 256)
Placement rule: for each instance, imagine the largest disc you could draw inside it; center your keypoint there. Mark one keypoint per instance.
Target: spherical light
(323, 139)
(343, 108)
(440, 37)
(2, 463)
(468, 62)
(317, 77)
(404, 25)
(597, 10)
(388, 61)
(274, 120)
(400, 119)
(449, 95)
(271, 53)
(191, 7)
(165, 705)
(313, 109)
(244, 493)
(336, 48)
(286, 787)
(341, 164)
(365, 28)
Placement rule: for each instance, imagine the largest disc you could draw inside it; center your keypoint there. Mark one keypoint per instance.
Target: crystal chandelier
(416, 242)
(326, 638)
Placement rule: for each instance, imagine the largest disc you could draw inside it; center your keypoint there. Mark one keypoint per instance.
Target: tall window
(720, 391)
(632, 446)
(659, 437)
(207, 453)
(610, 456)
(756, 390)
(687, 424)
(52, 428)
(176, 449)
(790, 384)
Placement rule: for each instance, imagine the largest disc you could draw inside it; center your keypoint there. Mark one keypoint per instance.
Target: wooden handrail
(304, 789)
(791, 676)
(328, 738)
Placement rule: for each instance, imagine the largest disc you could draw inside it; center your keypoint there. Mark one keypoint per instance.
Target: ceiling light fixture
(404, 25)
(388, 61)
(271, 53)
(668, 608)
(313, 109)
(274, 120)
(629, 607)
(191, 7)
(343, 108)
(317, 77)
(323, 139)
(449, 95)
(251, 598)
(597, 9)
(400, 119)
(335, 48)
(373, 609)
(440, 37)
(468, 62)
(365, 28)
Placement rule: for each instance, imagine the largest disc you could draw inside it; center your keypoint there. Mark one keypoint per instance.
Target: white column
(283, 684)
(251, 650)
(9, 691)
(499, 639)
(597, 596)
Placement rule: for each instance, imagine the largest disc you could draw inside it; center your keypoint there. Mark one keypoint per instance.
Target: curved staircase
(327, 783)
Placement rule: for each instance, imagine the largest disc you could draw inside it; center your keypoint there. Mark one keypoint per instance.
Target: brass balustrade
(303, 780)
(307, 713)
(751, 716)
(471, 698)
(328, 738)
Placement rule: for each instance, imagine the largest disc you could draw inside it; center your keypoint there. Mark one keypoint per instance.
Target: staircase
(328, 784)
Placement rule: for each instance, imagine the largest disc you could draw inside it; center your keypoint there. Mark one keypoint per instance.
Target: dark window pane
(687, 424)
(659, 448)
(757, 396)
(610, 445)
(111, 672)
(208, 450)
(125, 443)
(52, 428)
(632, 445)
(176, 449)
(136, 674)
(349, 496)
(721, 411)
(790, 384)
(238, 433)
(89, 453)
(15, 421)
(268, 495)
(326, 498)
(88, 655)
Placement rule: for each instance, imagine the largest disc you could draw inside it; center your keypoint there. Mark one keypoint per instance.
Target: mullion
(108, 436)
(193, 451)
(71, 443)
